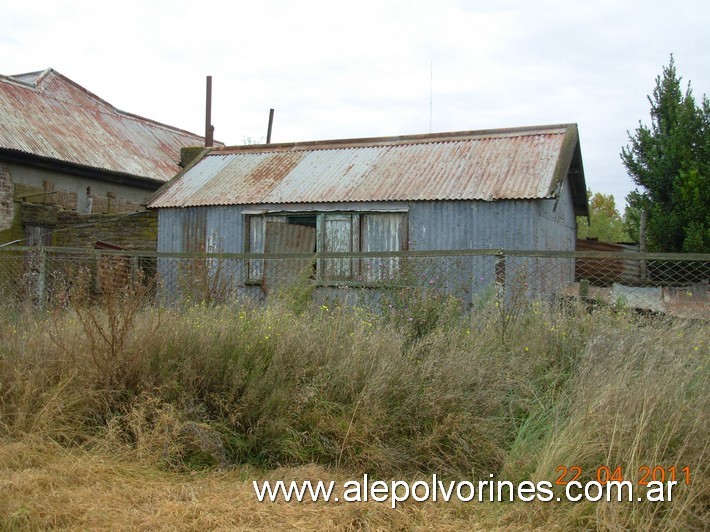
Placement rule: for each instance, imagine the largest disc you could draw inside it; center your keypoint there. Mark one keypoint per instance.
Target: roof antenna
(209, 128)
(271, 123)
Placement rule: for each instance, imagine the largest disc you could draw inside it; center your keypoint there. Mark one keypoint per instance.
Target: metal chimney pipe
(209, 128)
(271, 123)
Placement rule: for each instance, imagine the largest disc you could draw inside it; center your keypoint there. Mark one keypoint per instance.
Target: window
(255, 241)
(383, 232)
(340, 232)
(279, 234)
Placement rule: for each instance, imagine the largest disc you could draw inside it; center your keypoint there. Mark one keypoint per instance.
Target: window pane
(382, 232)
(256, 245)
(284, 237)
(338, 238)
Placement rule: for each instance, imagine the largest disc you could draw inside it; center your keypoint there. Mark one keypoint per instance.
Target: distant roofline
(95, 172)
(42, 74)
(11, 79)
(37, 74)
(397, 140)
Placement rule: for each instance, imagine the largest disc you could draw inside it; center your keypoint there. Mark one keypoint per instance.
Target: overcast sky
(336, 69)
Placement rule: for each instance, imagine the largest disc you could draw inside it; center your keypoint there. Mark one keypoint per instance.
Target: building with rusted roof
(503, 189)
(62, 145)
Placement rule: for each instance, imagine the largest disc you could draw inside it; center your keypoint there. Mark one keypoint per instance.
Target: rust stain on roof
(521, 163)
(49, 115)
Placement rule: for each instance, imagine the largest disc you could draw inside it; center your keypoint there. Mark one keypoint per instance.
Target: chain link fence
(674, 284)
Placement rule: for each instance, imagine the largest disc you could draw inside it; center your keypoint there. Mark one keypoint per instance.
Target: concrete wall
(59, 218)
(70, 191)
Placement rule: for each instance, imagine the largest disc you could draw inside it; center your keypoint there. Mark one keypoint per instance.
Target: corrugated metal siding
(523, 224)
(460, 168)
(556, 231)
(194, 231)
(225, 227)
(170, 230)
(61, 120)
(472, 225)
(444, 225)
(432, 225)
(183, 231)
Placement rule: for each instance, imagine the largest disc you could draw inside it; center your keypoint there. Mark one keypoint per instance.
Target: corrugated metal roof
(522, 163)
(47, 114)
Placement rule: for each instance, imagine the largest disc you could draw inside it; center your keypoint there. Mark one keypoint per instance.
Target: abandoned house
(498, 189)
(62, 146)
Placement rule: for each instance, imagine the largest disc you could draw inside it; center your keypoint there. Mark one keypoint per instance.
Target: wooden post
(500, 274)
(48, 187)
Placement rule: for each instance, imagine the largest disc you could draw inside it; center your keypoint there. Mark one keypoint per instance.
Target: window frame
(356, 240)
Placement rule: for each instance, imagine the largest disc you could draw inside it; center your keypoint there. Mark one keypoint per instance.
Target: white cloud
(336, 69)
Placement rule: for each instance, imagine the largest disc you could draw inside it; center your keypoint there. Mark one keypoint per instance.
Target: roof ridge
(132, 116)
(400, 140)
(31, 72)
(16, 81)
(83, 89)
(34, 74)
(57, 121)
(44, 74)
(140, 118)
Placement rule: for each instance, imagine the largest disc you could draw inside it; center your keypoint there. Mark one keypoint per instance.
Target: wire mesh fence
(666, 283)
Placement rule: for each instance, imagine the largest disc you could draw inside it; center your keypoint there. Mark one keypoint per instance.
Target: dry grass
(104, 412)
(44, 486)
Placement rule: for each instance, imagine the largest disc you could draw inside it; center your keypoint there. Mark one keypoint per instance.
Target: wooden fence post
(500, 274)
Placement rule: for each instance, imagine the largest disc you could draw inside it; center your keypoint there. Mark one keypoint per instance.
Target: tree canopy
(670, 163)
(605, 222)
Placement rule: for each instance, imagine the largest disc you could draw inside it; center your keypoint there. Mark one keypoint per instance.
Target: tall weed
(286, 384)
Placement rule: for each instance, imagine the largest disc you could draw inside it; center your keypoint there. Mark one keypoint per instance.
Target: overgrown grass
(354, 391)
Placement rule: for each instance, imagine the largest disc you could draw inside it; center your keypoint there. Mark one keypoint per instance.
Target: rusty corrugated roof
(523, 163)
(46, 114)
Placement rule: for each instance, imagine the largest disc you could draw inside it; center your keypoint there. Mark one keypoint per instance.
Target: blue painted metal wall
(442, 225)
